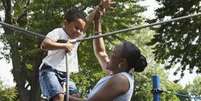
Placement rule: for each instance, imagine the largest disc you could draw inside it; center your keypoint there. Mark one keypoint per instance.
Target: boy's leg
(58, 97)
(50, 85)
(73, 91)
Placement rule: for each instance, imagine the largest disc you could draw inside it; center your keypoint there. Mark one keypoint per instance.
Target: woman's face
(115, 58)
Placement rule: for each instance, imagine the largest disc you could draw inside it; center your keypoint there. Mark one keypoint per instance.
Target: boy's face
(75, 28)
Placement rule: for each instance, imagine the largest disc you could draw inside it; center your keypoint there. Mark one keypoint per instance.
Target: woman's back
(124, 97)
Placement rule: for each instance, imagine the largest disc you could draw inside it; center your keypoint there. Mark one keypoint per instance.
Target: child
(53, 68)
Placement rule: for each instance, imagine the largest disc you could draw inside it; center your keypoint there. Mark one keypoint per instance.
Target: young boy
(53, 68)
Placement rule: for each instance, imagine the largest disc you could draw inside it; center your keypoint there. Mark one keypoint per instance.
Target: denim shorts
(51, 82)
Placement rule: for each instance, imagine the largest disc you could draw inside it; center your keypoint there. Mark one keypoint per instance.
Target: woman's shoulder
(117, 80)
(120, 78)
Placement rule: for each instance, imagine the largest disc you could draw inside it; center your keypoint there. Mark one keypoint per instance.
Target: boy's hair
(73, 14)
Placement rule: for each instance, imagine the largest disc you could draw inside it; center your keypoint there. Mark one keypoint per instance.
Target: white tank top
(124, 97)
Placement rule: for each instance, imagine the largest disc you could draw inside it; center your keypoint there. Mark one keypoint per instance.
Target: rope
(21, 30)
(138, 27)
(102, 35)
(182, 95)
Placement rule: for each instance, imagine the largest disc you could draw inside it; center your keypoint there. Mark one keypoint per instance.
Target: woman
(118, 85)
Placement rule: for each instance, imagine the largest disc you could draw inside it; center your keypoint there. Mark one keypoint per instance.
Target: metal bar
(67, 78)
(156, 87)
(102, 35)
(137, 28)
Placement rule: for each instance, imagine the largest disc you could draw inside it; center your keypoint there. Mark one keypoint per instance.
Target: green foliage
(144, 86)
(193, 89)
(178, 42)
(7, 94)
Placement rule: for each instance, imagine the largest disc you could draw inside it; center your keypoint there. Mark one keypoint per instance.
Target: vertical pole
(67, 77)
(156, 87)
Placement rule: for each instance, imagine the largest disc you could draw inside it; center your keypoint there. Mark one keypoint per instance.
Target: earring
(119, 66)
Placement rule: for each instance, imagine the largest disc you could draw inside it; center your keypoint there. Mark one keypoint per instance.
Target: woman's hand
(104, 5)
(97, 16)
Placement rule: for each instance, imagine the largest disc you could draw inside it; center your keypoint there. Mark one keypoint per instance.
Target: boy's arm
(49, 44)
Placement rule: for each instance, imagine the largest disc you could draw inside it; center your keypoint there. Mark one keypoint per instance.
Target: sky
(7, 77)
(5, 67)
(5, 73)
(151, 5)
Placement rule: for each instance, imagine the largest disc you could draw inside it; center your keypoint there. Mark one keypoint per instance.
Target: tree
(22, 50)
(144, 86)
(38, 15)
(193, 89)
(178, 42)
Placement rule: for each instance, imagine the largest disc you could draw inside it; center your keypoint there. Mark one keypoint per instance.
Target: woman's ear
(123, 63)
(66, 22)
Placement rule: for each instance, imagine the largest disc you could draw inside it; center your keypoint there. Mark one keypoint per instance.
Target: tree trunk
(19, 68)
(35, 91)
(17, 71)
